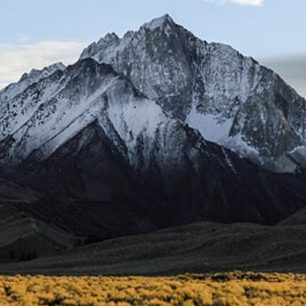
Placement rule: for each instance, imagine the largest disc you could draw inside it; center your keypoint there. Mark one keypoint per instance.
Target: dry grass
(235, 288)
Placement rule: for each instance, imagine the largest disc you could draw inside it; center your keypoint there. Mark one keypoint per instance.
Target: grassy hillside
(194, 248)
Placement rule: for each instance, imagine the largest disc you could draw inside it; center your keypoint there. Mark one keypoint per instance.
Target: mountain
(124, 141)
(231, 99)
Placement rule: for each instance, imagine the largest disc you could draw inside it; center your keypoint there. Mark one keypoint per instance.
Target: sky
(36, 33)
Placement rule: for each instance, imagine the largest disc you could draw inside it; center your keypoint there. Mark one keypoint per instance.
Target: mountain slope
(24, 235)
(298, 218)
(229, 98)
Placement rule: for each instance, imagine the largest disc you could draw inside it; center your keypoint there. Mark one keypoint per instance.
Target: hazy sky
(35, 33)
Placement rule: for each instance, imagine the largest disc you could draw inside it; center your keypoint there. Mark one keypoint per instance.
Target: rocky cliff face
(124, 135)
(231, 99)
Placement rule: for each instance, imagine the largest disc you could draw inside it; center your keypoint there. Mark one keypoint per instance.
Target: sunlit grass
(235, 288)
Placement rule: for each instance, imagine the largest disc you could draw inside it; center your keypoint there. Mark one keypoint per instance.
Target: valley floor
(235, 288)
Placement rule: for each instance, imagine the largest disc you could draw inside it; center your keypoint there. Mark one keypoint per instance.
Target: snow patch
(213, 128)
(138, 116)
(216, 128)
(238, 145)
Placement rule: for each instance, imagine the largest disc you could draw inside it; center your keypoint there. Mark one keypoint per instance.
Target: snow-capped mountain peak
(127, 126)
(26, 80)
(212, 88)
(37, 74)
(159, 23)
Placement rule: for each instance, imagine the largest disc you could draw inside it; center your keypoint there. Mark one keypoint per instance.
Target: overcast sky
(35, 33)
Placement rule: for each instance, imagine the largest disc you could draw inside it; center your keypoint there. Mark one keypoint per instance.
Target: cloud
(291, 67)
(15, 59)
(239, 2)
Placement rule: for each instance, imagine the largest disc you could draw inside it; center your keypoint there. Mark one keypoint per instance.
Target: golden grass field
(235, 288)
